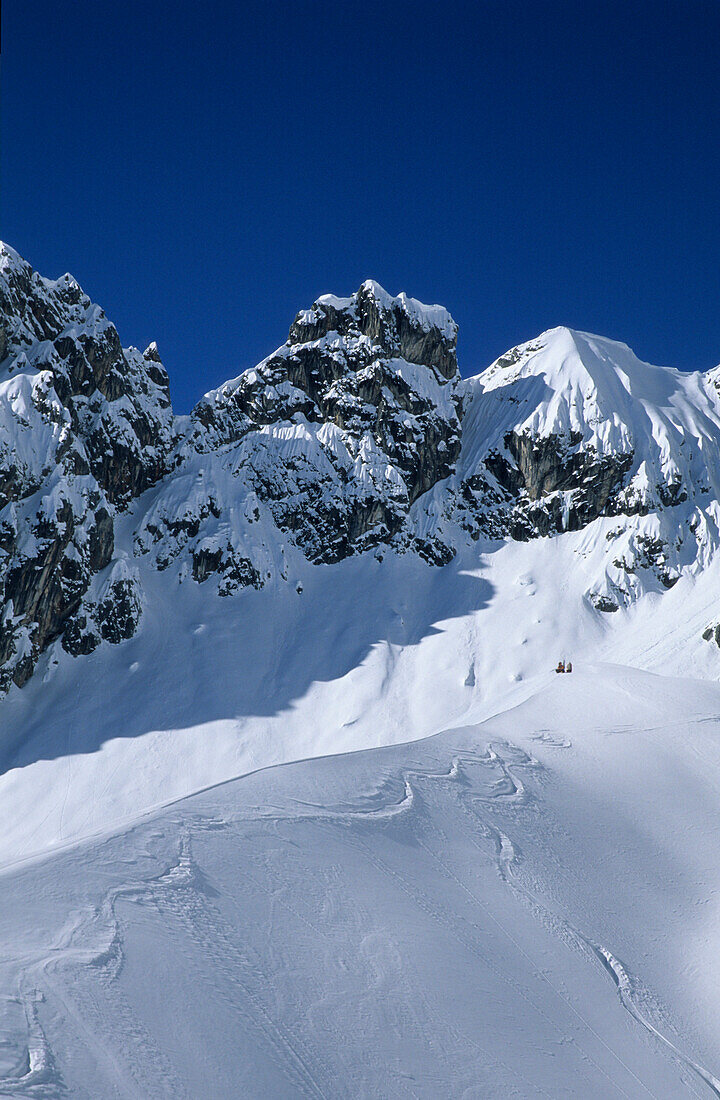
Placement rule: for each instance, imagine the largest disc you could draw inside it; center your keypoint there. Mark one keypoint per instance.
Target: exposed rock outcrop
(335, 435)
(85, 426)
(356, 435)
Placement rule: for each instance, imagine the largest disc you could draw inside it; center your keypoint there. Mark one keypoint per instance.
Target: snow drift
(338, 554)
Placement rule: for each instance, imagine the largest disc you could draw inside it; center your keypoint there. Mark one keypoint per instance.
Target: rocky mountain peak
(335, 434)
(85, 427)
(396, 327)
(356, 435)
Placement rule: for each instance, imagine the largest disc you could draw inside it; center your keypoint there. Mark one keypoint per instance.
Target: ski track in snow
(627, 985)
(143, 823)
(488, 789)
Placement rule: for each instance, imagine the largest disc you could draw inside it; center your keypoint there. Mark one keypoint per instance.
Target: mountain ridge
(356, 436)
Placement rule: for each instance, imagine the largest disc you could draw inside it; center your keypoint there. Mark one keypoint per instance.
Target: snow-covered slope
(348, 529)
(572, 427)
(356, 436)
(349, 549)
(524, 907)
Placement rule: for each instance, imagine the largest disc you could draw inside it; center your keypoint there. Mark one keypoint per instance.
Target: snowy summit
(471, 876)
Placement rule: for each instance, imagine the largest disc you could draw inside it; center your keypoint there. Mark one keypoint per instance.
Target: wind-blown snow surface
(522, 907)
(338, 830)
(526, 905)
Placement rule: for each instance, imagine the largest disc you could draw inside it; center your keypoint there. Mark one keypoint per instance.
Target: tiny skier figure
(560, 666)
(568, 667)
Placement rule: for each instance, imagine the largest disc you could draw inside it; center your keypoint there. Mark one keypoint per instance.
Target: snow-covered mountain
(318, 516)
(86, 427)
(358, 435)
(339, 553)
(571, 427)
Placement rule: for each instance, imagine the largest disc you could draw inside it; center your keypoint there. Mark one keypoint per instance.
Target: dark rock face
(336, 434)
(539, 486)
(85, 426)
(347, 439)
(113, 617)
(235, 571)
(392, 325)
(535, 470)
(650, 553)
(603, 603)
(118, 613)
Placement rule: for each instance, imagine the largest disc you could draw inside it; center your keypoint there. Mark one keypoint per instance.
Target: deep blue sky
(207, 170)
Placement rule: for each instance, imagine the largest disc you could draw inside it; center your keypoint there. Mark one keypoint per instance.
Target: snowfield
(292, 802)
(525, 903)
(526, 906)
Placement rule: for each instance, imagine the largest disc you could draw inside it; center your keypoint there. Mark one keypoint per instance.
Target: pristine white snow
(567, 381)
(522, 907)
(348, 835)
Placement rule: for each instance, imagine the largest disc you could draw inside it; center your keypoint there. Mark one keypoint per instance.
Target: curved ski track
(480, 785)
